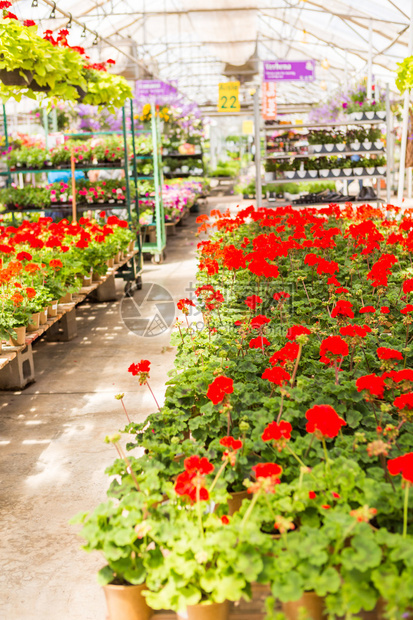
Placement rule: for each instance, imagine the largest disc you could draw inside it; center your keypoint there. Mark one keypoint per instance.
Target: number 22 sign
(228, 97)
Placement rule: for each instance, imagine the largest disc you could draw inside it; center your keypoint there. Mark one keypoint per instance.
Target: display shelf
(184, 155)
(9, 352)
(375, 121)
(79, 167)
(325, 154)
(332, 178)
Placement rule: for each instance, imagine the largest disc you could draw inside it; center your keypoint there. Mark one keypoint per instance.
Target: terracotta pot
(87, 280)
(20, 336)
(131, 245)
(311, 602)
(43, 317)
(35, 322)
(96, 277)
(52, 309)
(126, 602)
(117, 257)
(66, 299)
(110, 262)
(235, 501)
(211, 611)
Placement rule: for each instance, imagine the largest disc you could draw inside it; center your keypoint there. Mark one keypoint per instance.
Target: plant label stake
(72, 162)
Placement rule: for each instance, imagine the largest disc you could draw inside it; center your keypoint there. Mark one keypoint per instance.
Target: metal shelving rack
(156, 245)
(132, 270)
(361, 152)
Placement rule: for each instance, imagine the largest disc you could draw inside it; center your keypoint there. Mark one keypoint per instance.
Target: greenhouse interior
(206, 227)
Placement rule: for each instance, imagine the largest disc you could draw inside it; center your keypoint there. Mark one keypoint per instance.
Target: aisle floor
(52, 453)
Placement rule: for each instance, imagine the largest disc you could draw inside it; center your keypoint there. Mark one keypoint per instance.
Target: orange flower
(30, 292)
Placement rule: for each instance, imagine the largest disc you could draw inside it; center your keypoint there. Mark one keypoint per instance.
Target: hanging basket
(17, 77)
(82, 93)
(36, 88)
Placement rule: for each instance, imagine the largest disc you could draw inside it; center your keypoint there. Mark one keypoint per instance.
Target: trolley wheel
(158, 259)
(128, 289)
(138, 282)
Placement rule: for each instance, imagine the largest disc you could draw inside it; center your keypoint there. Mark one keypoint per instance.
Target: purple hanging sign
(288, 70)
(146, 89)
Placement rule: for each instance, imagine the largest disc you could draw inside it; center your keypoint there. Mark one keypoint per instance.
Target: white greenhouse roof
(194, 41)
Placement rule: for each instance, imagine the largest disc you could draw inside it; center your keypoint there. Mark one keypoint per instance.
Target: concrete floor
(52, 455)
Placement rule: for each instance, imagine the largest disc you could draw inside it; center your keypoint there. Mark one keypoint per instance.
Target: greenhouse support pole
(405, 119)
(389, 150)
(370, 63)
(257, 137)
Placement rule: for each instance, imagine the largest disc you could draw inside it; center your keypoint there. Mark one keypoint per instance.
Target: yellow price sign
(228, 97)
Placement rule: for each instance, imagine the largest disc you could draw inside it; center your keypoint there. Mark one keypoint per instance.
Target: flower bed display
(292, 390)
(178, 195)
(41, 261)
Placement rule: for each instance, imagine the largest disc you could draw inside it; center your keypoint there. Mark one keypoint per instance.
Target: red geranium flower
(297, 330)
(402, 465)
(405, 401)
(384, 353)
(276, 375)
(30, 292)
(224, 520)
(324, 420)
(199, 465)
(234, 445)
(219, 388)
(386, 309)
(259, 342)
(374, 385)
(332, 348)
(277, 431)
(142, 369)
(288, 353)
(312, 495)
(367, 310)
(267, 475)
(408, 308)
(343, 308)
(253, 301)
(259, 321)
(408, 286)
(281, 295)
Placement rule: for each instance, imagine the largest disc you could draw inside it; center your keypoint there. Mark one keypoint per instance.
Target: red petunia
(402, 465)
(324, 420)
(219, 388)
(276, 375)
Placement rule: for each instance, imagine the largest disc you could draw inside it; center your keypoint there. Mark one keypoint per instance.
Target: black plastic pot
(36, 88)
(17, 77)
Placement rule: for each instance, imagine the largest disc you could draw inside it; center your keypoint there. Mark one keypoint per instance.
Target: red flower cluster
(324, 420)
(276, 375)
(233, 446)
(373, 384)
(191, 482)
(184, 305)
(141, 369)
(332, 349)
(259, 342)
(219, 388)
(280, 433)
(384, 353)
(253, 301)
(297, 330)
(268, 476)
(343, 308)
(402, 465)
(288, 353)
(355, 331)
